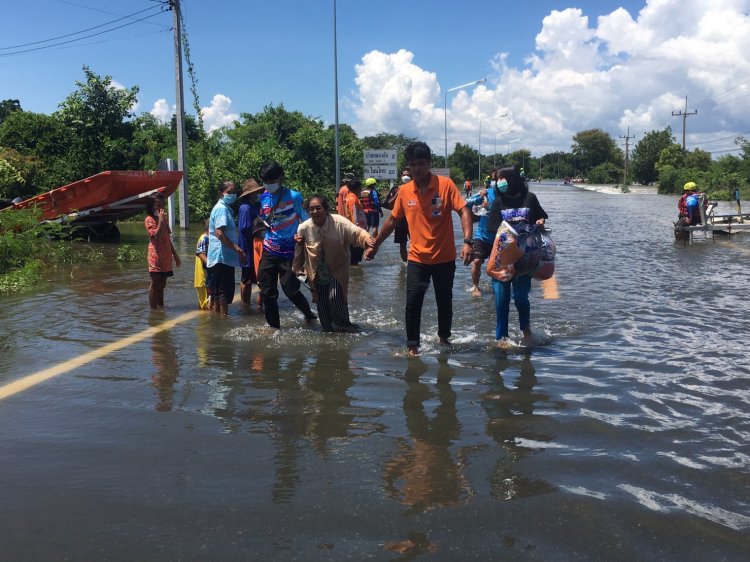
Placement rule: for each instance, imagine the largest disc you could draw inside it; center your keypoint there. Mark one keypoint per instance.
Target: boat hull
(105, 197)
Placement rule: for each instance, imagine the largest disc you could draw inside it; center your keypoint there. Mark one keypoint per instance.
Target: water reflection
(164, 360)
(512, 423)
(423, 474)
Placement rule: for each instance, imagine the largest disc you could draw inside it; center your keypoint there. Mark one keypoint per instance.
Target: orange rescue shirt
(429, 218)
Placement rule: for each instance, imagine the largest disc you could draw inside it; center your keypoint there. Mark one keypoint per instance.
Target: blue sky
(554, 67)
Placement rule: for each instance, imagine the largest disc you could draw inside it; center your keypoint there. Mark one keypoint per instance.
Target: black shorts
(161, 273)
(401, 233)
(481, 250)
(373, 219)
(222, 283)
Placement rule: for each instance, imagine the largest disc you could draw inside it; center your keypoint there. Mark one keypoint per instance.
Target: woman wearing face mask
(515, 204)
(224, 254)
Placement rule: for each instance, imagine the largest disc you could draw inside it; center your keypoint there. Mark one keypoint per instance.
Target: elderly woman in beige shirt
(323, 254)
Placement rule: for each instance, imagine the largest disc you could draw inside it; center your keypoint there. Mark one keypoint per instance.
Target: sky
(552, 68)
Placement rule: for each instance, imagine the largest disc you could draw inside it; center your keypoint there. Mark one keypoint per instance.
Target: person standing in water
(514, 204)
(323, 249)
(426, 203)
(281, 210)
(160, 249)
(480, 205)
(401, 230)
(224, 252)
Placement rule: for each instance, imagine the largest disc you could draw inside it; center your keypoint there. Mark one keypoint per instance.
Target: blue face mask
(502, 186)
(230, 198)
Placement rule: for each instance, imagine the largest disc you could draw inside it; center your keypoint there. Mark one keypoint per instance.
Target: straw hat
(250, 186)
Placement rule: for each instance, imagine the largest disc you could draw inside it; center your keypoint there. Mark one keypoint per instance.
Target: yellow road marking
(39, 377)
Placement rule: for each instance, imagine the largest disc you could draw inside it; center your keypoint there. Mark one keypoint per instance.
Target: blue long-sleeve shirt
(282, 213)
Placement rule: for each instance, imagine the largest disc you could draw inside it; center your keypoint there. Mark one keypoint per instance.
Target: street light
(511, 142)
(494, 157)
(445, 111)
(479, 144)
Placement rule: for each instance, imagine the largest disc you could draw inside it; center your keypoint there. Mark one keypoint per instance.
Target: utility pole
(627, 138)
(182, 189)
(684, 115)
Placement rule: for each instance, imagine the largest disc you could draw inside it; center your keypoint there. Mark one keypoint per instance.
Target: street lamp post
(445, 111)
(511, 142)
(479, 144)
(494, 156)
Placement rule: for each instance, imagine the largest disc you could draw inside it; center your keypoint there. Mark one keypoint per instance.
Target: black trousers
(273, 270)
(418, 276)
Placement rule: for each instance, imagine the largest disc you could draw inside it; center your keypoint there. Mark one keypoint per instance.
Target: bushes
(718, 184)
(28, 247)
(604, 173)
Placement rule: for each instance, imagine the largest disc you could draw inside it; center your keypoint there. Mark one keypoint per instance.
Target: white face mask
(405, 179)
(493, 183)
(272, 187)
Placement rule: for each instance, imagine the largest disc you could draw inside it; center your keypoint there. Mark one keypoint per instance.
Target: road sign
(380, 164)
(380, 171)
(387, 157)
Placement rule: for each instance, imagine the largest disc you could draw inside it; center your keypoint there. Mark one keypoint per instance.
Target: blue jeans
(521, 286)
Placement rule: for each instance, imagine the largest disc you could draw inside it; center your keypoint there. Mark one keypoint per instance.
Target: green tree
(698, 159)
(593, 147)
(463, 163)
(95, 113)
(646, 154)
(7, 107)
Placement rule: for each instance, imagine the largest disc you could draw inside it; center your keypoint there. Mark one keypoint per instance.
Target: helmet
(689, 186)
(371, 181)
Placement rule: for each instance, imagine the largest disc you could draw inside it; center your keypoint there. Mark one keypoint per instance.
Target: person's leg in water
(156, 290)
(291, 287)
(442, 281)
(417, 281)
(268, 279)
(502, 290)
(521, 288)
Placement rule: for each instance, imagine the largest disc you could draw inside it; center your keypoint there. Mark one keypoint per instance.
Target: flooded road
(627, 437)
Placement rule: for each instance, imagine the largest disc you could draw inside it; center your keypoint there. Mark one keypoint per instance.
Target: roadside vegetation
(94, 129)
(28, 248)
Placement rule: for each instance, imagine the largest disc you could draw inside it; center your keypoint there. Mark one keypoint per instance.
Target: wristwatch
(469, 241)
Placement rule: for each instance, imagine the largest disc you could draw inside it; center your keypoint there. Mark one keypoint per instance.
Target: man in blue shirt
(281, 210)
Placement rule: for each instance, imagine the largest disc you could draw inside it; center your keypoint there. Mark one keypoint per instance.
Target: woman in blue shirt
(224, 254)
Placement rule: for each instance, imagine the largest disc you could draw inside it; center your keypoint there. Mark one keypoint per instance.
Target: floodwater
(625, 437)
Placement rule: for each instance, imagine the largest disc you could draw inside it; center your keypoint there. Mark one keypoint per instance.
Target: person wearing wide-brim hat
(251, 237)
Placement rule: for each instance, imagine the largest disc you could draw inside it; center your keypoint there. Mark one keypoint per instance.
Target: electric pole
(182, 189)
(684, 115)
(627, 138)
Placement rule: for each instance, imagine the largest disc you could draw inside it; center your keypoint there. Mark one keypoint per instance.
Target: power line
(77, 32)
(101, 41)
(81, 38)
(76, 4)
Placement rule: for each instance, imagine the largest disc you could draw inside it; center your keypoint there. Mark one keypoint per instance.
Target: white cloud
(219, 113)
(624, 70)
(162, 111)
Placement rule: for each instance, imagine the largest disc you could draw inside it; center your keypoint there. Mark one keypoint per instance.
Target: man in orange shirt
(426, 203)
